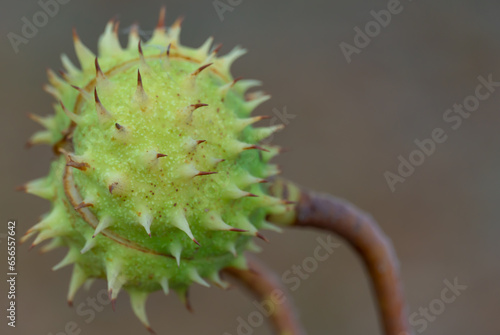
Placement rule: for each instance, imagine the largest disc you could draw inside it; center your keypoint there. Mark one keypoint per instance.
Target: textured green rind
(110, 127)
(138, 269)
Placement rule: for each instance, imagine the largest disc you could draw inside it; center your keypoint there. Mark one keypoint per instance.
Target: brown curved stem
(362, 232)
(267, 287)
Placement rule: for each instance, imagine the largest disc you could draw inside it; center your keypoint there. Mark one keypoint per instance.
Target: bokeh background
(351, 123)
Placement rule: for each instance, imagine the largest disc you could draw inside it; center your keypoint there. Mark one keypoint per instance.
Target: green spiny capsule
(158, 179)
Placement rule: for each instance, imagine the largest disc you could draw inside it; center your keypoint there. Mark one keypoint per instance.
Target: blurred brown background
(351, 123)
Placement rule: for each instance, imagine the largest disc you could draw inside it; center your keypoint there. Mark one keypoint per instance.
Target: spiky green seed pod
(158, 179)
